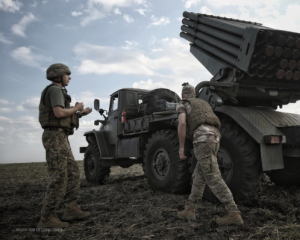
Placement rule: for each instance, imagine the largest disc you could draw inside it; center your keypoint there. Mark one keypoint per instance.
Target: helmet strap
(57, 81)
(62, 83)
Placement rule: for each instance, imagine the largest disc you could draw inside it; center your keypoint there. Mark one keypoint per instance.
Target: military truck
(255, 70)
(137, 130)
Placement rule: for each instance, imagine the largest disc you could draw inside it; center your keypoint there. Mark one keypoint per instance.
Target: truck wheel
(94, 172)
(288, 176)
(239, 162)
(164, 170)
(156, 94)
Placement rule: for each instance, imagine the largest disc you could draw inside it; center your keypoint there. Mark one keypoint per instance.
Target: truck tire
(164, 170)
(288, 176)
(94, 172)
(156, 94)
(239, 162)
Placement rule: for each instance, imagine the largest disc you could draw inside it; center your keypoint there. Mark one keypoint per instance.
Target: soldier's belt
(56, 129)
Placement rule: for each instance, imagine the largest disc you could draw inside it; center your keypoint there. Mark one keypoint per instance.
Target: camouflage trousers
(207, 172)
(63, 170)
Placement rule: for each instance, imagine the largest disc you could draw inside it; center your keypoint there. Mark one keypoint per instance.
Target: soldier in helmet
(198, 122)
(58, 119)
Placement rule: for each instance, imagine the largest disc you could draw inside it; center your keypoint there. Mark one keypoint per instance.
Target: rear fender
(257, 126)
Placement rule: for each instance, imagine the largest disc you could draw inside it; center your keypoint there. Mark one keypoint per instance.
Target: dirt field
(126, 208)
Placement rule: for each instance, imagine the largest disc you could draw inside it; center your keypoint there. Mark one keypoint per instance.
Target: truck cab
(128, 101)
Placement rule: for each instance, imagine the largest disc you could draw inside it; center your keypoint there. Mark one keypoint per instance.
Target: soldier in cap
(58, 119)
(198, 122)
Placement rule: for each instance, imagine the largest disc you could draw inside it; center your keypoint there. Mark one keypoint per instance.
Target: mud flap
(272, 156)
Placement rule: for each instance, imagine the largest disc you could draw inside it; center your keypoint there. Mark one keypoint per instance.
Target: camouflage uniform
(206, 145)
(63, 170)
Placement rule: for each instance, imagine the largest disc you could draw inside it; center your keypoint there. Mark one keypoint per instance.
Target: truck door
(111, 128)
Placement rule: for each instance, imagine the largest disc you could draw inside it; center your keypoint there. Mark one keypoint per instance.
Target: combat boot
(189, 212)
(74, 213)
(233, 217)
(52, 222)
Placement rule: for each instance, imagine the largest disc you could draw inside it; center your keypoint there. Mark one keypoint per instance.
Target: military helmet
(57, 70)
(188, 91)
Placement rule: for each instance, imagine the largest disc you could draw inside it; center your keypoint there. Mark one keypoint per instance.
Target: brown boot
(189, 212)
(232, 217)
(52, 222)
(74, 213)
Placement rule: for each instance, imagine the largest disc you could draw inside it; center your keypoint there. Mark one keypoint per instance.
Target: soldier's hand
(79, 106)
(181, 154)
(86, 111)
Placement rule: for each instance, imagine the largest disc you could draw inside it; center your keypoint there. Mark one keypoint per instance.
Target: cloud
(6, 109)
(84, 126)
(86, 97)
(157, 49)
(5, 102)
(149, 84)
(27, 56)
(76, 14)
(269, 16)
(29, 104)
(97, 9)
(205, 10)
(67, 26)
(89, 66)
(109, 5)
(4, 40)
(272, 18)
(4, 119)
(10, 6)
(130, 43)
(159, 21)
(24, 129)
(117, 11)
(291, 108)
(252, 3)
(141, 11)
(93, 15)
(19, 28)
(128, 18)
(171, 65)
(191, 3)
(105, 60)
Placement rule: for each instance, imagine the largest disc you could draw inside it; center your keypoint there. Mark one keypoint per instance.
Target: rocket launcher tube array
(209, 48)
(215, 23)
(275, 54)
(227, 37)
(213, 41)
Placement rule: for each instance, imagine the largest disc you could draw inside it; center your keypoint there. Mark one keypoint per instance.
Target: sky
(108, 45)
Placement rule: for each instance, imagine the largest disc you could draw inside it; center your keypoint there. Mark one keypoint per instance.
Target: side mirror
(96, 104)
